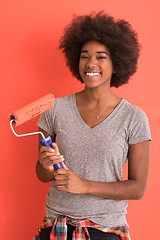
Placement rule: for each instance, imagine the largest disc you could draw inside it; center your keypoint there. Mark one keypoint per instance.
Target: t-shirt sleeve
(46, 121)
(139, 129)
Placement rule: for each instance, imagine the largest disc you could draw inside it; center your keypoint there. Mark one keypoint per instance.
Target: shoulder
(61, 103)
(133, 110)
(65, 99)
(138, 125)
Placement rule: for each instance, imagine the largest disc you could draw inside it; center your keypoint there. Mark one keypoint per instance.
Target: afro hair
(118, 36)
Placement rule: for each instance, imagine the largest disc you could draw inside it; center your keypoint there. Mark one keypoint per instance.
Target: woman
(95, 133)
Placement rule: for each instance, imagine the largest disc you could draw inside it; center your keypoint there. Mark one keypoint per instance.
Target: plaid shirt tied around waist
(59, 229)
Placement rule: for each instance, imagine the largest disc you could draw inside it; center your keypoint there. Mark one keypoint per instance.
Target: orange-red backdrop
(32, 66)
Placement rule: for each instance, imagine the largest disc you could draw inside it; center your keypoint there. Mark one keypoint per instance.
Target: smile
(92, 74)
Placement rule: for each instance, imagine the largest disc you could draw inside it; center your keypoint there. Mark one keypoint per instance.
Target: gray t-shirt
(96, 154)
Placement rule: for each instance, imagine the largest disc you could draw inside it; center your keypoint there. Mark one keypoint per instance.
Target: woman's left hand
(69, 181)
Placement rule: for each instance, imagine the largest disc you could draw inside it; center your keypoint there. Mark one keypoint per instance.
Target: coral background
(31, 66)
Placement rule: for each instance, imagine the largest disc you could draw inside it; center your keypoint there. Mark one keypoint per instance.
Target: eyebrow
(85, 51)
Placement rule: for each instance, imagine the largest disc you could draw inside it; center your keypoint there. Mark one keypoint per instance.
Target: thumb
(64, 166)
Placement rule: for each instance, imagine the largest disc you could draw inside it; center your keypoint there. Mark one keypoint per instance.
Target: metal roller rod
(26, 134)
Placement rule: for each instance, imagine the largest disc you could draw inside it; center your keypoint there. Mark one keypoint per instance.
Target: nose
(91, 63)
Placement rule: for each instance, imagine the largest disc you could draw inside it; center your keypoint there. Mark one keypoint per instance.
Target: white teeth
(92, 74)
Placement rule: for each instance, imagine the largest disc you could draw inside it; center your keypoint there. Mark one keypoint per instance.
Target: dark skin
(98, 98)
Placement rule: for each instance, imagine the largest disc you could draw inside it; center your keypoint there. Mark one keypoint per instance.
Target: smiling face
(95, 64)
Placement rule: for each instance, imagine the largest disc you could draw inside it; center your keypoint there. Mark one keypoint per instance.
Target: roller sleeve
(33, 109)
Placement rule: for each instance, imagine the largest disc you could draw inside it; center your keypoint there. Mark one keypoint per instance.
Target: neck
(99, 96)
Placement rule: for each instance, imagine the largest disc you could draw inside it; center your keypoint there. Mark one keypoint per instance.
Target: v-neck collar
(83, 123)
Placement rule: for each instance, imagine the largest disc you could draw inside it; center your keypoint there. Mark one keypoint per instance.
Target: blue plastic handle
(47, 142)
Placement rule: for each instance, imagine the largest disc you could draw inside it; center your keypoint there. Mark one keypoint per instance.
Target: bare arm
(133, 188)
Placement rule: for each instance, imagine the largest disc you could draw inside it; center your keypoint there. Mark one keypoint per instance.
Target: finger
(47, 157)
(60, 177)
(61, 171)
(62, 188)
(55, 147)
(46, 149)
(56, 157)
(52, 161)
(44, 155)
(51, 155)
(46, 164)
(61, 182)
(57, 161)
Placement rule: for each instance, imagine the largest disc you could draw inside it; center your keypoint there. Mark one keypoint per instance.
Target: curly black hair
(118, 36)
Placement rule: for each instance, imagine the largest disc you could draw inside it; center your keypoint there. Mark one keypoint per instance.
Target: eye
(101, 57)
(83, 57)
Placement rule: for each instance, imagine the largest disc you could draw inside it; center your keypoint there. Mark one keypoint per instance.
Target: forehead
(94, 46)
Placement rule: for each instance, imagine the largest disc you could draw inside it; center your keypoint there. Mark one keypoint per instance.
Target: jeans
(94, 234)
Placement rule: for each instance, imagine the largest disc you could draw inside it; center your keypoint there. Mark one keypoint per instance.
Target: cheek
(109, 68)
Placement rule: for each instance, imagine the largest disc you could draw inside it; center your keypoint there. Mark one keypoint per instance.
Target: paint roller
(30, 111)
